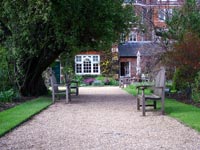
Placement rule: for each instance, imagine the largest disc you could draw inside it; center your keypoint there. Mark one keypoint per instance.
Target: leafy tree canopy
(38, 31)
(184, 30)
(185, 19)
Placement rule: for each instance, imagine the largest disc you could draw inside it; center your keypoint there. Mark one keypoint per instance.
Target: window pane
(78, 58)
(133, 36)
(161, 14)
(95, 68)
(87, 66)
(78, 68)
(95, 58)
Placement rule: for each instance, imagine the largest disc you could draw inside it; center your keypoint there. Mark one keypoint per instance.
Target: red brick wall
(133, 64)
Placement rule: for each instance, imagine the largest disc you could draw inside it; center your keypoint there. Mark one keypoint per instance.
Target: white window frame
(163, 14)
(132, 36)
(93, 69)
(122, 38)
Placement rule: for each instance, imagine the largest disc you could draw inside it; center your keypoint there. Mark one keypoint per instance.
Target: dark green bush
(196, 88)
(7, 96)
(180, 81)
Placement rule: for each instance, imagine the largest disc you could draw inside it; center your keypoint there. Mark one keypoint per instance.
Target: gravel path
(102, 118)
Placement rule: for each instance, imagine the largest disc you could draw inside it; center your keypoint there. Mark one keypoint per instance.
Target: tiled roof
(145, 48)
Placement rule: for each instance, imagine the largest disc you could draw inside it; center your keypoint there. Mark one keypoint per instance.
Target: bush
(6, 70)
(196, 88)
(98, 83)
(179, 80)
(113, 82)
(7, 96)
(88, 81)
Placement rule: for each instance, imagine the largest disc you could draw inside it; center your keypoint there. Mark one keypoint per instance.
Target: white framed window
(132, 36)
(78, 68)
(78, 58)
(87, 64)
(164, 14)
(122, 38)
(95, 58)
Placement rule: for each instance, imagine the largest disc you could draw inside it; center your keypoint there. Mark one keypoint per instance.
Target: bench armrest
(142, 87)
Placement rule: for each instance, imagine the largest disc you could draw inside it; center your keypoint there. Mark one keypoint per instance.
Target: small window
(78, 68)
(78, 59)
(162, 15)
(133, 36)
(95, 58)
(122, 38)
(165, 14)
(95, 68)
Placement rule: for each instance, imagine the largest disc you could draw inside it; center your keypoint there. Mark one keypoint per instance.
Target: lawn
(13, 117)
(187, 114)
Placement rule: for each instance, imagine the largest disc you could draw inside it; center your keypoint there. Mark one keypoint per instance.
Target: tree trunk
(32, 83)
(34, 87)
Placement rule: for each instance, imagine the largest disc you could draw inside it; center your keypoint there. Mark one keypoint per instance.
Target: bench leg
(77, 92)
(138, 104)
(154, 104)
(67, 95)
(143, 106)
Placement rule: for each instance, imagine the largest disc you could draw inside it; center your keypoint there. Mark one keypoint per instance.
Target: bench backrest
(54, 83)
(159, 82)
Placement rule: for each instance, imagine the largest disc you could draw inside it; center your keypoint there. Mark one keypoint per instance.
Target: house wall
(133, 64)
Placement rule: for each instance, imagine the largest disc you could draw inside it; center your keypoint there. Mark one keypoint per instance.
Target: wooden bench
(158, 92)
(71, 85)
(123, 81)
(56, 92)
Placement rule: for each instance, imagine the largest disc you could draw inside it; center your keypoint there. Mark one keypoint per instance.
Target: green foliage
(6, 70)
(184, 51)
(179, 81)
(185, 113)
(131, 89)
(42, 30)
(15, 116)
(196, 88)
(78, 78)
(7, 96)
(186, 19)
(98, 83)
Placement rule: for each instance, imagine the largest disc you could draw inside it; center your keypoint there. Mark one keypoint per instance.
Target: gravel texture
(100, 118)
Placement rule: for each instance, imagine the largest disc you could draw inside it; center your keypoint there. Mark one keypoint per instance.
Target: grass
(187, 114)
(13, 117)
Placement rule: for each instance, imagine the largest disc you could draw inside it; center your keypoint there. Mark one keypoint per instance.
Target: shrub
(196, 88)
(106, 81)
(89, 81)
(179, 80)
(97, 83)
(78, 78)
(113, 82)
(7, 96)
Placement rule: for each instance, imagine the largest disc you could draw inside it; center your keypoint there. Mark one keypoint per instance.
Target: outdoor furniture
(123, 81)
(71, 86)
(56, 92)
(158, 92)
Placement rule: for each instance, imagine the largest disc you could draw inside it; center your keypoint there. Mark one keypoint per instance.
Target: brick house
(152, 14)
